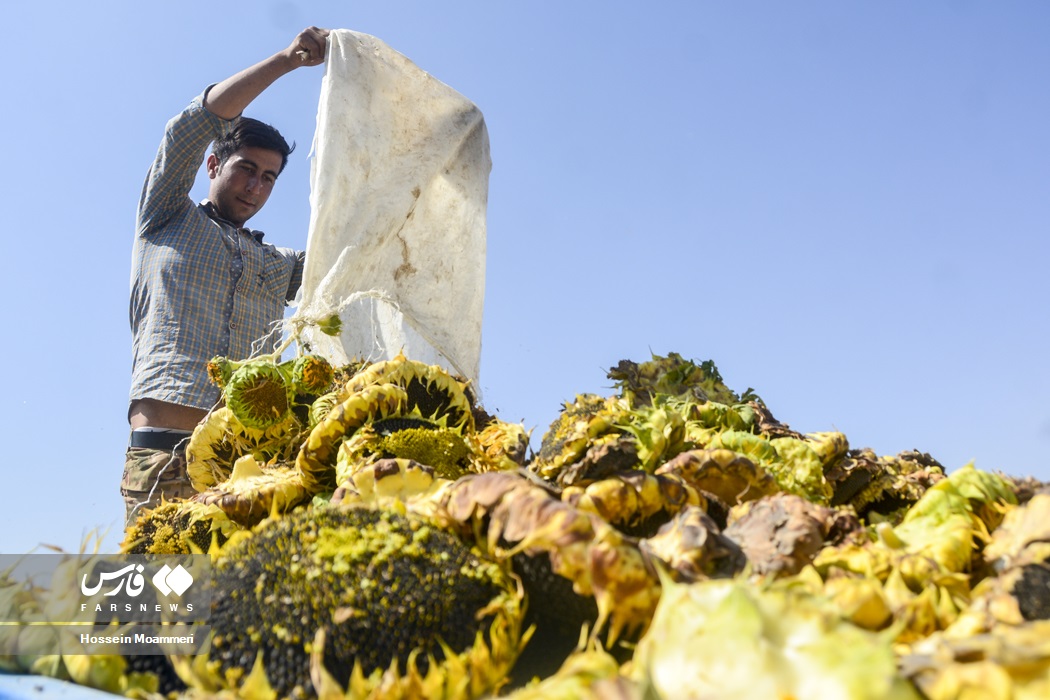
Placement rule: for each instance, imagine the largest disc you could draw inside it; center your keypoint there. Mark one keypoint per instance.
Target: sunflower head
(259, 394)
(432, 393)
(351, 599)
(254, 491)
(320, 407)
(580, 425)
(673, 375)
(175, 527)
(312, 374)
(219, 371)
(442, 449)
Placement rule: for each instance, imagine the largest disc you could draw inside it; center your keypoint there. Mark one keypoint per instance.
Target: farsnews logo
(130, 574)
(130, 581)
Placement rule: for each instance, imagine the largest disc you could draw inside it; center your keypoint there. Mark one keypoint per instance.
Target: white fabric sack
(399, 189)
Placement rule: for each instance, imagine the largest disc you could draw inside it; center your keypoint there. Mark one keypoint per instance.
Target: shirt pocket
(274, 276)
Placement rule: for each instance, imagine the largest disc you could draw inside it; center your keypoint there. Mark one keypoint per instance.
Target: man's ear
(213, 166)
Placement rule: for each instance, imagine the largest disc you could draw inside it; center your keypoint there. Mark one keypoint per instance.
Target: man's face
(240, 186)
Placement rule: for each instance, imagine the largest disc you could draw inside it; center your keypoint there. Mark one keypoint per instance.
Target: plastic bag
(399, 189)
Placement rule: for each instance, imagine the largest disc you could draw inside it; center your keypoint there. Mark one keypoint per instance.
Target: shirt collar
(213, 213)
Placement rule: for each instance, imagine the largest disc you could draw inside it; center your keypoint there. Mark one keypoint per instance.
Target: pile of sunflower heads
(376, 534)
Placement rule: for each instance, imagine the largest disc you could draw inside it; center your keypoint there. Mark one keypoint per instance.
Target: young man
(201, 283)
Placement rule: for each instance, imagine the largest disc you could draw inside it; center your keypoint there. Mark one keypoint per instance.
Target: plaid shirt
(200, 286)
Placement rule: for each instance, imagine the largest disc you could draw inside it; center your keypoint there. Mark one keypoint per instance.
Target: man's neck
(213, 212)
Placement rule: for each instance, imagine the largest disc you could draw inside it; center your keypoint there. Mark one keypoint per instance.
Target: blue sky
(844, 205)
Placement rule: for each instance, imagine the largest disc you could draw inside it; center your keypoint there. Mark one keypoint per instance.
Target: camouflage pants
(150, 474)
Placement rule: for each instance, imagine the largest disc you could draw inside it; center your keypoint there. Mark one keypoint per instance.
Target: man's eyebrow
(255, 165)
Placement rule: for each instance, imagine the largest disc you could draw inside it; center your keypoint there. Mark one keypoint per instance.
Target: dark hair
(252, 133)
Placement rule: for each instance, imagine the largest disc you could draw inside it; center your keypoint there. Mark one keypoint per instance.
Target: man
(201, 283)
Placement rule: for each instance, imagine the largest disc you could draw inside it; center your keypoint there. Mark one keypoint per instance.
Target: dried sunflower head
(254, 491)
(673, 375)
(501, 446)
(582, 423)
(318, 454)
(635, 502)
(514, 514)
(259, 394)
(781, 534)
(882, 489)
(728, 639)
(691, 548)
(320, 407)
(177, 527)
(1023, 537)
(446, 451)
(392, 484)
(221, 439)
(312, 374)
(386, 397)
(431, 392)
(659, 432)
(792, 462)
(1004, 662)
(359, 601)
(728, 475)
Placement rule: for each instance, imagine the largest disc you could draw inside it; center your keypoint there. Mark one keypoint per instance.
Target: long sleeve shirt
(200, 286)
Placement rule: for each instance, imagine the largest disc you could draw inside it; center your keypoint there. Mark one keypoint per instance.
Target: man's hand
(308, 49)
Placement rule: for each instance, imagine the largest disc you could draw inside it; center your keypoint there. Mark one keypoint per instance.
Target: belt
(159, 440)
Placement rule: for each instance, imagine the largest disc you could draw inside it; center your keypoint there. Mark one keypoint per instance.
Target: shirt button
(233, 324)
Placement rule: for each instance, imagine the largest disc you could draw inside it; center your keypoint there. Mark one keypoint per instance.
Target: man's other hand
(308, 48)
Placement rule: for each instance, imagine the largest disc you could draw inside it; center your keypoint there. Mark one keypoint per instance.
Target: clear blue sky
(844, 205)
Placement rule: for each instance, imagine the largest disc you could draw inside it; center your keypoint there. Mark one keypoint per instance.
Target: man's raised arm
(229, 98)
